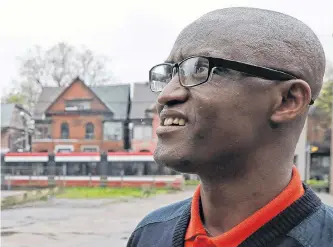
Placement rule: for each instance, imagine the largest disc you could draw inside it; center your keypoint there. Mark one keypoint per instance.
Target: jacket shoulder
(164, 214)
(316, 230)
(156, 229)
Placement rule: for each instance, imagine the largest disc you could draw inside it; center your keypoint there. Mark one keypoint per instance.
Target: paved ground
(5, 193)
(62, 222)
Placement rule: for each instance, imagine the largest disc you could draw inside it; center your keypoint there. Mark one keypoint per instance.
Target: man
(234, 96)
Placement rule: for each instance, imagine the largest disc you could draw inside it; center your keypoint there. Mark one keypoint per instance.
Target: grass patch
(192, 182)
(97, 192)
(318, 184)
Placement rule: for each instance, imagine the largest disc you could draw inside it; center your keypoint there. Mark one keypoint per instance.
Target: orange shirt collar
(239, 233)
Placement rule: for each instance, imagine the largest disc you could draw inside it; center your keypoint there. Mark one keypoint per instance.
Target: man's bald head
(257, 36)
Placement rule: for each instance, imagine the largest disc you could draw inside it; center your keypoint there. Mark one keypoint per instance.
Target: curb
(28, 196)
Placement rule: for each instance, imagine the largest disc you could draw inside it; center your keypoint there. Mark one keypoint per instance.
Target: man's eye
(201, 70)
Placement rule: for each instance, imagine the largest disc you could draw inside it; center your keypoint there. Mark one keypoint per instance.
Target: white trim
(9, 177)
(26, 158)
(78, 178)
(57, 147)
(165, 178)
(125, 178)
(77, 158)
(130, 158)
(162, 178)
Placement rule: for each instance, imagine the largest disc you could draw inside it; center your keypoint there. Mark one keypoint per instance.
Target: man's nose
(173, 93)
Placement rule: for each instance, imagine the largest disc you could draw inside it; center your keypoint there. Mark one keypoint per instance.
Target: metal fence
(32, 176)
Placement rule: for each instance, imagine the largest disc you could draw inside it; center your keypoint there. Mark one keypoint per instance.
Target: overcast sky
(134, 34)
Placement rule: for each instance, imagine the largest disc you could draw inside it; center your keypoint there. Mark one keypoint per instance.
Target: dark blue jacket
(305, 223)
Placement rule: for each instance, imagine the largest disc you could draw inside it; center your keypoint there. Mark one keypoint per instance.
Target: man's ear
(294, 97)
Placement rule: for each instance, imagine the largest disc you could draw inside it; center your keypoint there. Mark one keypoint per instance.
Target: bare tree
(60, 62)
(93, 70)
(33, 66)
(59, 66)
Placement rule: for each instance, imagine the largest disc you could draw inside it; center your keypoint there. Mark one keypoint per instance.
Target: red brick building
(79, 118)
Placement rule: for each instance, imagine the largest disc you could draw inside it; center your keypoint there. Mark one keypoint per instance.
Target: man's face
(221, 119)
(228, 120)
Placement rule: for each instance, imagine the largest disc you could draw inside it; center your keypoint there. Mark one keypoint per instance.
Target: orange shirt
(196, 235)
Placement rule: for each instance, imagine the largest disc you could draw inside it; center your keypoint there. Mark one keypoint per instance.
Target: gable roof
(77, 80)
(143, 99)
(46, 98)
(115, 98)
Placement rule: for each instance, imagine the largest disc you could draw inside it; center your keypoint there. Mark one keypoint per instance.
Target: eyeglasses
(196, 70)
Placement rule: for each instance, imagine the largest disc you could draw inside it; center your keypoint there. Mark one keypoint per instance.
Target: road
(69, 223)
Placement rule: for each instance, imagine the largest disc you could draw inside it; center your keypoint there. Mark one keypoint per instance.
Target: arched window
(90, 131)
(64, 131)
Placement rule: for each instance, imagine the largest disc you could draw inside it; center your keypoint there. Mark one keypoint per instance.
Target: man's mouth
(169, 121)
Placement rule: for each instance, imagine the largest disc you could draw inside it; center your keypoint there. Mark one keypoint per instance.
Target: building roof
(46, 98)
(9, 114)
(115, 97)
(6, 114)
(143, 99)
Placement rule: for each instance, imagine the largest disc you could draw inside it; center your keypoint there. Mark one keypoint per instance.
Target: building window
(64, 131)
(113, 131)
(89, 148)
(42, 132)
(63, 148)
(90, 131)
(142, 132)
(78, 105)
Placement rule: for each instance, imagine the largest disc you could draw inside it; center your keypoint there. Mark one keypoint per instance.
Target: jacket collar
(277, 227)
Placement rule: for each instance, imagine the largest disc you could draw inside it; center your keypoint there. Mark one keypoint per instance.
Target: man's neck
(226, 204)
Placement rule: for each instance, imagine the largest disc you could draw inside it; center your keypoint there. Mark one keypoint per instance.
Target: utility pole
(24, 122)
(331, 153)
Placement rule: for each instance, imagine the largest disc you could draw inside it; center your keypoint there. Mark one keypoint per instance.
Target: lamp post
(25, 129)
(28, 125)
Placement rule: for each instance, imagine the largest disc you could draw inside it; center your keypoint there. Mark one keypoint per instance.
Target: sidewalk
(6, 193)
(11, 198)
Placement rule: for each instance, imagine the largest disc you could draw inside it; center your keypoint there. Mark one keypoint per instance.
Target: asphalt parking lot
(69, 223)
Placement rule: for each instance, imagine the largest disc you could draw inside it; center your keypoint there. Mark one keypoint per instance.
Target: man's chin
(178, 164)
